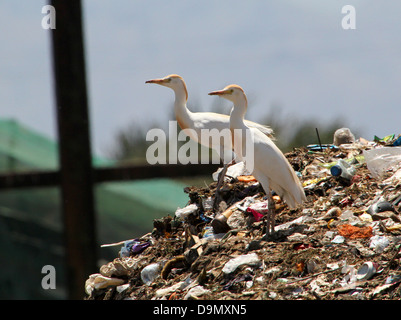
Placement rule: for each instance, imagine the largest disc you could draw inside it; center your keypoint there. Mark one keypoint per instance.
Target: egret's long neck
(238, 128)
(182, 114)
(238, 114)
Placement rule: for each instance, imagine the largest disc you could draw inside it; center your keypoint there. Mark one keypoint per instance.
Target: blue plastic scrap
(133, 247)
(318, 147)
(397, 142)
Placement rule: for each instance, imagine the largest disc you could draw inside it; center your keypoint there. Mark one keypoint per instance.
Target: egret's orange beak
(157, 81)
(217, 93)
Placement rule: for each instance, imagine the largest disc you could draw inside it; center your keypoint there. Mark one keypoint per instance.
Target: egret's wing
(273, 167)
(262, 128)
(209, 120)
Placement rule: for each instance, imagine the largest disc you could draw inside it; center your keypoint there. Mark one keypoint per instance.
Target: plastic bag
(248, 259)
(183, 213)
(381, 159)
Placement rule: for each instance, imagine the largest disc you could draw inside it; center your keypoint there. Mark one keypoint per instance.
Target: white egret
(203, 120)
(270, 167)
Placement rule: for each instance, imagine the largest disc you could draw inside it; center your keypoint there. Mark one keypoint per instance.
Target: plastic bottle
(150, 272)
(343, 169)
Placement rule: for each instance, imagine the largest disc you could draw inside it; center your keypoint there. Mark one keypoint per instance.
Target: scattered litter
(183, 213)
(342, 243)
(394, 278)
(297, 237)
(247, 259)
(379, 160)
(97, 281)
(354, 232)
(343, 136)
(133, 247)
(367, 271)
(338, 239)
(233, 171)
(379, 243)
(258, 210)
(380, 207)
(150, 272)
(196, 292)
(343, 169)
(168, 290)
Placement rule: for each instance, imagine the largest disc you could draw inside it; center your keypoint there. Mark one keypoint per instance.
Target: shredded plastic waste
(353, 232)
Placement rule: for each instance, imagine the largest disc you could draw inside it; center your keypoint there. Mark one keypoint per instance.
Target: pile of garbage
(343, 243)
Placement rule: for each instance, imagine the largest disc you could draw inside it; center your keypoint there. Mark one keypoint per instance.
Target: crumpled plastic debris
(133, 247)
(97, 281)
(343, 136)
(258, 209)
(379, 160)
(150, 272)
(183, 213)
(338, 239)
(379, 243)
(233, 171)
(196, 292)
(300, 220)
(242, 278)
(246, 259)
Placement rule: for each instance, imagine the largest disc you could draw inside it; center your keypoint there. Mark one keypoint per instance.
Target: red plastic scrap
(356, 178)
(301, 246)
(346, 201)
(256, 214)
(353, 232)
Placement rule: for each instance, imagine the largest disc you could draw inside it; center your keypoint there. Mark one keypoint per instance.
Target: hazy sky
(294, 54)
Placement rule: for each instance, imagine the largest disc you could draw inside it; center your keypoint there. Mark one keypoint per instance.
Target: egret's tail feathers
(292, 197)
(262, 128)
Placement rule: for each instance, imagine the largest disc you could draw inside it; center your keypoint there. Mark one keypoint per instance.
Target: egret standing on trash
(203, 120)
(270, 167)
(200, 120)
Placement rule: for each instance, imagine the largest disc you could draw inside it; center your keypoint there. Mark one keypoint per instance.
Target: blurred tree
(130, 144)
(290, 131)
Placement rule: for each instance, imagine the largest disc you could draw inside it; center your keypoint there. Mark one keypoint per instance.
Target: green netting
(23, 148)
(30, 219)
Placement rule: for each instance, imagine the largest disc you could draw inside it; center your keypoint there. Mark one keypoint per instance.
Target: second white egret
(270, 167)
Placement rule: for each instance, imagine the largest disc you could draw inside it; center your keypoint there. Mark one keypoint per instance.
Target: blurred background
(300, 69)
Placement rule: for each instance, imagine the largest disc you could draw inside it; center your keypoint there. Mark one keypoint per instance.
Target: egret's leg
(220, 181)
(270, 216)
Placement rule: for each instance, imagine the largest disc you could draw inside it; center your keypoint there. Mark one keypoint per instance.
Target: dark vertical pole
(74, 145)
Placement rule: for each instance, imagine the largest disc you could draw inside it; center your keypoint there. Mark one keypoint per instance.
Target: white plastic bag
(182, 213)
(248, 259)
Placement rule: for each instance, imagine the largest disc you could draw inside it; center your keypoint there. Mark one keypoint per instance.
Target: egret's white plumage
(200, 120)
(270, 167)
